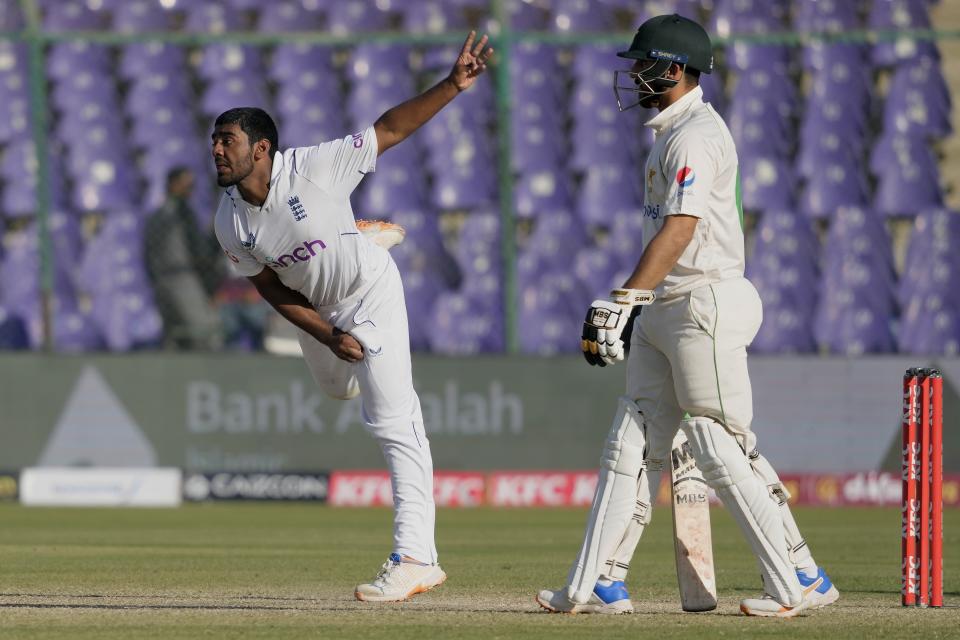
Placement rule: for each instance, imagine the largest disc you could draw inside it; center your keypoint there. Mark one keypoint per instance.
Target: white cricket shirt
(305, 230)
(693, 170)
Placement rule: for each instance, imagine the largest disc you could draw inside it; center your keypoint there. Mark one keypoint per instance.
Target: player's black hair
(691, 76)
(175, 173)
(254, 122)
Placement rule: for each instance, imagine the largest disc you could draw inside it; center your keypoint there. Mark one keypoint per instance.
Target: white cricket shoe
(385, 234)
(767, 607)
(818, 592)
(400, 580)
(611, 599)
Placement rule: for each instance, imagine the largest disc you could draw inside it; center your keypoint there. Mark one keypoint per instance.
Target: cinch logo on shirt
(300, 254)
(685, 177)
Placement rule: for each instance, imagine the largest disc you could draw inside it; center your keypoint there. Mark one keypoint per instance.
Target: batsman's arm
(293, 306)
(663, 252)
(399, 122)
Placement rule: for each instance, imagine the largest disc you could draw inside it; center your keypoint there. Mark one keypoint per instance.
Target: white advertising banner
(100, 487)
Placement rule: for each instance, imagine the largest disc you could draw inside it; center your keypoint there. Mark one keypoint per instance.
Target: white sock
(810, 570)
(604, 581)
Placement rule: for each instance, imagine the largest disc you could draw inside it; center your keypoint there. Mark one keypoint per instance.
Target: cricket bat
(691, 530)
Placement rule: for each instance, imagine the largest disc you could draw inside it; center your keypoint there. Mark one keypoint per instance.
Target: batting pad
(726, 469)
(614, 502)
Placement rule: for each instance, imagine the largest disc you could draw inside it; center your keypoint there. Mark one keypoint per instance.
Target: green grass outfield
(288, 571)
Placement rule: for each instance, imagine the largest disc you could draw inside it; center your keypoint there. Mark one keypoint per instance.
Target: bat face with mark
(691, 527)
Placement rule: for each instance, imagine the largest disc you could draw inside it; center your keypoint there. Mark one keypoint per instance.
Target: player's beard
(237, 173)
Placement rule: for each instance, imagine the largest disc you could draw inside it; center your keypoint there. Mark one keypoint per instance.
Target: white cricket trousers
(688, 354)
(391, 408)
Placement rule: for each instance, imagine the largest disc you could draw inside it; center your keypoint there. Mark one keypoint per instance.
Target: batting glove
(603, 329)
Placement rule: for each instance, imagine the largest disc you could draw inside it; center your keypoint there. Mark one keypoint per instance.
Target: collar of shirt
(663, 120)
(274, 174)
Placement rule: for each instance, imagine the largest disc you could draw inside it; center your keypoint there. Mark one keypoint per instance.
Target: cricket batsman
(687, 361)
(286, 223)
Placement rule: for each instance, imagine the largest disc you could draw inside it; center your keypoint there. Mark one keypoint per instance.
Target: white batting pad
(726, 470)
(614, 502)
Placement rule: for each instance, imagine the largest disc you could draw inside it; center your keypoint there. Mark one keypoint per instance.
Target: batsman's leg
(819, 590)
(709, 357)
(726, 470)
(615, 502)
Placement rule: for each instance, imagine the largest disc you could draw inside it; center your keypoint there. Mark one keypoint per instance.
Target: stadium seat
(211, 18)
(134, 16)
(157, 57)
(290, 61)
(288, 16)
(830, 16)
(356, 16)
(582, 15)
(72, 15)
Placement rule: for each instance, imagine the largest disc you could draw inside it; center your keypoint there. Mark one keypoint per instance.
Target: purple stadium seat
(459, 327)
(541, 193)
(784, 330)
(855, 331)
(833, 185)
(908, 191)
(396, 186)
(819, 55)
(525, 16)
(11, 17)
(135, 16)
(581, 15)
(234, 91)
(72, 15)
(127, 319)
(767, 183)
(157, 57)
(916, 113)
(67, 59)
(219, 60)
(551, 312)
(290, 61)
(288, 15)
(353, 16)
(931, 333)
(745, 56)
(833, 16)
(433, 16)
(536, 148)
(461, 186)
(605, 190)
(211, 18)
(746, 17)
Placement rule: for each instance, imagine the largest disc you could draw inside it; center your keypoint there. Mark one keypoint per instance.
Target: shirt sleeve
(338, 166)
(240, 258)
(690, 166)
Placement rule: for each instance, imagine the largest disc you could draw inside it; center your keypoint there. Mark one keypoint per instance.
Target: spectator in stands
(184, 265)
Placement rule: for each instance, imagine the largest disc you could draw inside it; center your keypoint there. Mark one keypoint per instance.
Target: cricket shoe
(609, 599)
(818, 592)
(767, 607)
(385, 234)
(399, 580)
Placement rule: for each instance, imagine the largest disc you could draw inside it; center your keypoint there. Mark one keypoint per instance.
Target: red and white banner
(372, 489)
(575, 489)
(541, 488)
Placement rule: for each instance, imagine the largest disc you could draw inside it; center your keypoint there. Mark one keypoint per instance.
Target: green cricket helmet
(663, 40)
